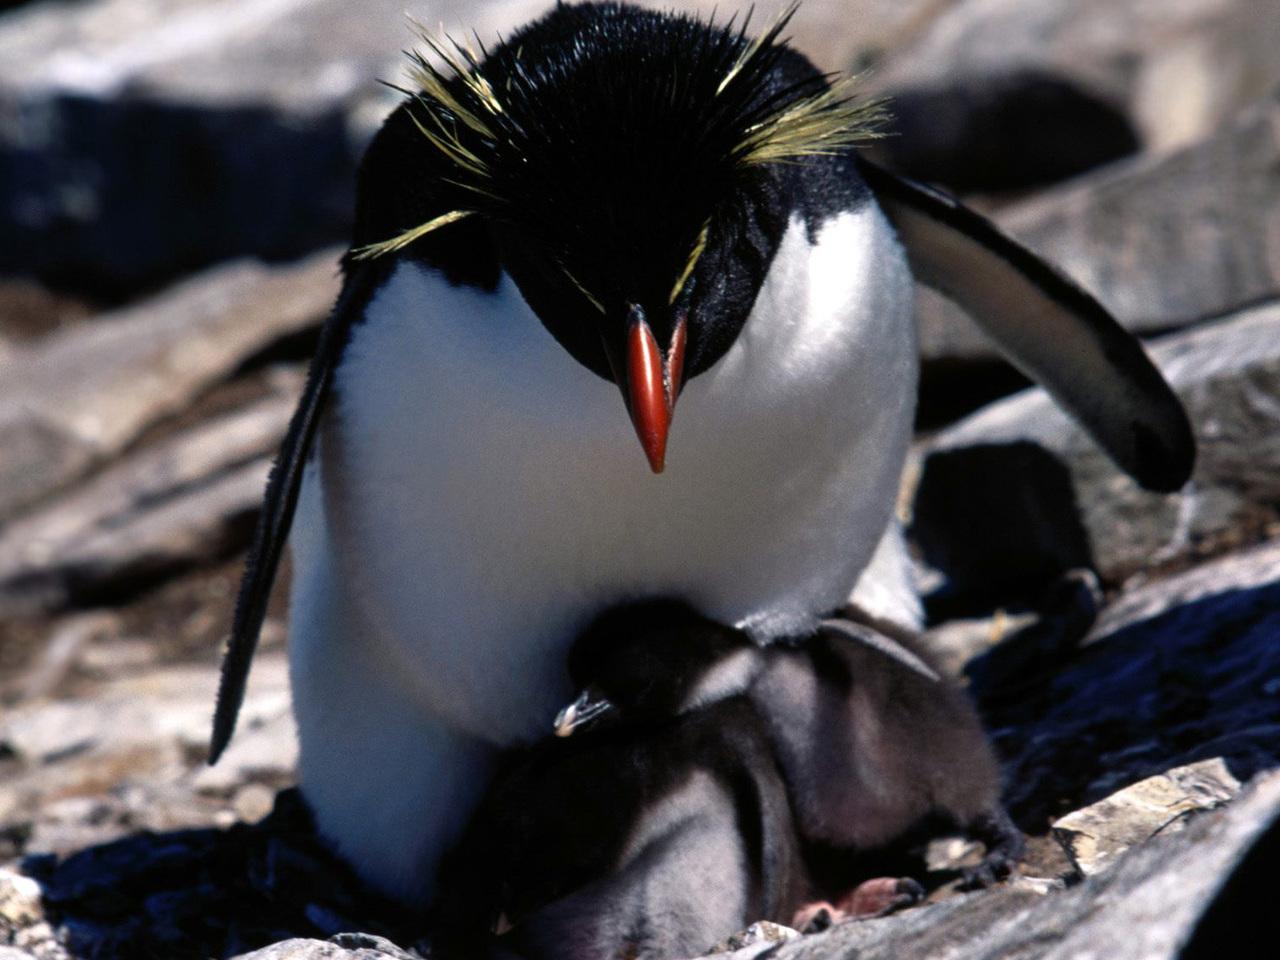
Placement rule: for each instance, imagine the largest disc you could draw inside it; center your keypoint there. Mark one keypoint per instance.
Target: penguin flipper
(279, 502)
(1050, 328)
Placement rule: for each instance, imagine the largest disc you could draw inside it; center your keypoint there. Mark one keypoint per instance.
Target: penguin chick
(658, 828)
(874, 741)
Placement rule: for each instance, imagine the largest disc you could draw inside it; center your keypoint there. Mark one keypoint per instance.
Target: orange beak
(653, 381)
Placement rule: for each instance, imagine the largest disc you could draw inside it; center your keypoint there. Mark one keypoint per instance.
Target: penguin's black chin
(650, 379)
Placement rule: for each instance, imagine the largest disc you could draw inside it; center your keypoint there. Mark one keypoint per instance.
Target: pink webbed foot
(871, 898)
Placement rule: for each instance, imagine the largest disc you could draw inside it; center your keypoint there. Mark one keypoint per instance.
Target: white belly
(481, 494)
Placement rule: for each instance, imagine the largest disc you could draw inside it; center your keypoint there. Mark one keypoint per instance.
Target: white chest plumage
(479, 494)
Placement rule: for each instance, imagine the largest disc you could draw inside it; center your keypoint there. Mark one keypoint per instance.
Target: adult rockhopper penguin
(617, 224)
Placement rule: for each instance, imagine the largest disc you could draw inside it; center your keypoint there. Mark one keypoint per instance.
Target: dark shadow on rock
(952, 388)
(1013, 131)
(1241, 912)
(111, 197)
(1000, 522)
(210, 893)
(1194, 682)
(1066, 613)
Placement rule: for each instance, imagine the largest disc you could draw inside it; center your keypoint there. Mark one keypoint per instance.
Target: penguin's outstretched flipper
(279, 502)
(1050, 328)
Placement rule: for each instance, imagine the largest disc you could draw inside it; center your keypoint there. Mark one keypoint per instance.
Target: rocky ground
(174, 178)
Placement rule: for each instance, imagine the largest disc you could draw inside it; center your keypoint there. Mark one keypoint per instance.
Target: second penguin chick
(658, 828)
(875, 741)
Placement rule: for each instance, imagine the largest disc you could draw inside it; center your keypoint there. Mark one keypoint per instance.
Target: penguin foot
(881, 896)
(871, 898)
(1005, 848)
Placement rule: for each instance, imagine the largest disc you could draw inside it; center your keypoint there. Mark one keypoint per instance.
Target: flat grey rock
(78, 398)
(1249, 569)
(1227, 374)
(1094, 836)
(300, 55)
(199, 526)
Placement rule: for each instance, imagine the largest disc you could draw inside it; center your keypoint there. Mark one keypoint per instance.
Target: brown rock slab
(184, 500)
(90, 769)
(1177, 70)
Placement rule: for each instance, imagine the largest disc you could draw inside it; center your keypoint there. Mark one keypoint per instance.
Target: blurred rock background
(175, 188)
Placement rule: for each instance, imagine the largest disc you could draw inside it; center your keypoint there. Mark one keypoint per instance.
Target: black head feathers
(603, 135)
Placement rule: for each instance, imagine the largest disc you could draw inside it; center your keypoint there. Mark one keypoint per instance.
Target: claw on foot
(1005, 848)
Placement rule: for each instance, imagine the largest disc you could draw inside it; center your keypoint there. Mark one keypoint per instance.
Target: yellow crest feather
(402, 240)
(825, 123)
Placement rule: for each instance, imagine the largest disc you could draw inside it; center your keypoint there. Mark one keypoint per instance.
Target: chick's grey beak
(586, 710)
